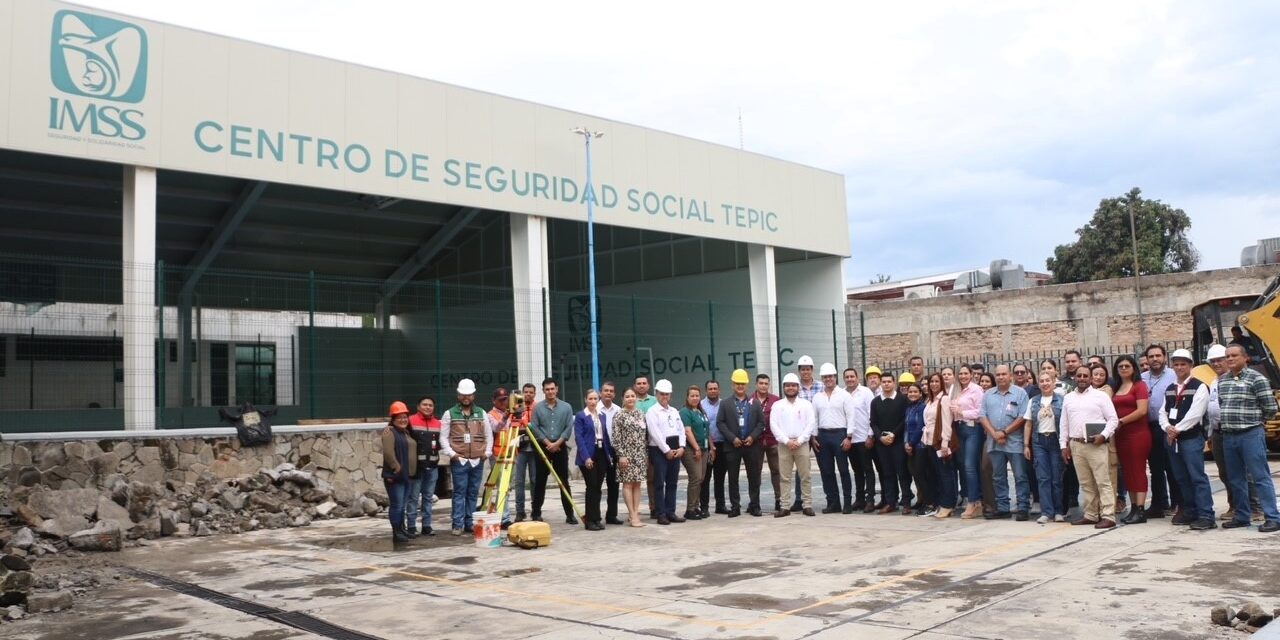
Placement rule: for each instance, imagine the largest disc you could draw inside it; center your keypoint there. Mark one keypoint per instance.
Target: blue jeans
(1186, 461)
(524, 469)
(1049, 467)
(946, 472)
(666, 475)
(1000, 477)
(397, 494)
(467, 481)
(1247, 459)
(421, 489)
(971, 439)
(832, 459)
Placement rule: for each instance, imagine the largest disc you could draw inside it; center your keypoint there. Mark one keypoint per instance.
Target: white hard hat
(804, 361)
(1216, 351)
(791, 378)
(827, 369)
(1182, 353)
(466, 387)
(663, 386)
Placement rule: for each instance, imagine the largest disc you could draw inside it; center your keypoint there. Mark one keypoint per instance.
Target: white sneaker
(1042, 520)
(1059, 518)
(933, 511)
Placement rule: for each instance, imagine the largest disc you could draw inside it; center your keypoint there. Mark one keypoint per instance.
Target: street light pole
(1137, 278)
(587, 135)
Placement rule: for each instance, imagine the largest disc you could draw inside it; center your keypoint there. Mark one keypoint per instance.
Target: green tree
(1104, 248)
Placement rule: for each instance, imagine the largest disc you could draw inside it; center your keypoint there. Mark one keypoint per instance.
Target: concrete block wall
(1054, 317)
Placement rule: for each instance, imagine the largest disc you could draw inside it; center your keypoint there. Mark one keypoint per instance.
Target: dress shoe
(1105, 524)
(690, 515)
(1269, 526)
(734, 512)
(998, 515)
(1235, 524)
(796, 508)
(613, 521)
(1083, 522)
(1203, 524)
(879, 506)
(1180, 519)
(704, 514)
(859, 505)
(1021, 516)
(536, 517)
(570, 519)
(808, 511)
(676, 519)
(722, 511)
(1136, 516)
(886, 509)
(830, 509)
(848, 508)
(662, 520)
(755, 512)
(1154, 513)
(944, 513)
(520, 516)
(410, 532)
(871, 508)
(906, 511)
(595, 526)
(781, 513)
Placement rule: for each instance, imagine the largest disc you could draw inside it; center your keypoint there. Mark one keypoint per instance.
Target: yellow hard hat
(906, 378)
(740, 376)
(872, 369)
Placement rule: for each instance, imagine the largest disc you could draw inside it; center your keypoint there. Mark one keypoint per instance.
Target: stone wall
(1088, 316)
(348, 459)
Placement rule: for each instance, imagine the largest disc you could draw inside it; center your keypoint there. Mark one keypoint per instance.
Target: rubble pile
(1249, 617)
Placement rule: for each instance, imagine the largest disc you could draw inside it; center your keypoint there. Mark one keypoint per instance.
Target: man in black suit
(889, 425)
(741, 422)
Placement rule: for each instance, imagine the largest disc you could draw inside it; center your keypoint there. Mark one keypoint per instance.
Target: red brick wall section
(1161, 327)
(1046, 336)
(966, 342)
(890, 348)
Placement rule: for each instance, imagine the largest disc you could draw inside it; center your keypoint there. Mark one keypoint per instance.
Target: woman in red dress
(1133, 438)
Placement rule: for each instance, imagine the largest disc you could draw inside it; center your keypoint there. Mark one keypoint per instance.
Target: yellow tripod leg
(564, 489)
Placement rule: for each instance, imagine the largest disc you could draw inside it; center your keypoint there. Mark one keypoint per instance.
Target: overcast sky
(966, 131)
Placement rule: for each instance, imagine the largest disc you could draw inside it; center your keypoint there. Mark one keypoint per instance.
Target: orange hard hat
(398, 407)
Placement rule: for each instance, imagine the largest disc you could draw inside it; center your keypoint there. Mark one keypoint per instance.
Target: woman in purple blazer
(595, 454)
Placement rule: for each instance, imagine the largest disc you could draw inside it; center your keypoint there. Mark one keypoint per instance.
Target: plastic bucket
(488, 529)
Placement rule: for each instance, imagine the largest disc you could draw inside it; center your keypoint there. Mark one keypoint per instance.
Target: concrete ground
(830, 576)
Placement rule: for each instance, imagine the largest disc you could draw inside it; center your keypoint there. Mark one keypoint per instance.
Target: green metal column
(163, 355)
(440, 386)
(311, 343)
(835, 343)
(546, 333)
(777, 331)
(711, 328)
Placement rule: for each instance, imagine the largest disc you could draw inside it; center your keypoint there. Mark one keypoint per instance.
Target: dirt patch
(104, 628)
(281, 584)
(460, 561)
(1245, 575)
(758, 602)
(719, 574)
(508, 573)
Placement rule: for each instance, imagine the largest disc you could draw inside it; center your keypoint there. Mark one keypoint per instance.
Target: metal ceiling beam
(428, 251)
(222, 233)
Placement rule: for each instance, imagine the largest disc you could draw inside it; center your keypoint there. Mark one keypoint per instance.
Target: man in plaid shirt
(1246, 401)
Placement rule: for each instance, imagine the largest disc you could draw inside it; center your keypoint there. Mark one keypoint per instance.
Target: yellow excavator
(1253, 321)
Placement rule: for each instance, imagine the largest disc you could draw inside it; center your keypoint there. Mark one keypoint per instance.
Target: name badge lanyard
(1173, 412)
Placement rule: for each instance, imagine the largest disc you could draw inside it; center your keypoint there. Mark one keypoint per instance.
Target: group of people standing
(934, 442)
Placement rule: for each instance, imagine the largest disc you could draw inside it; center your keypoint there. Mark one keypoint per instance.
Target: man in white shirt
(861, 445)
(1092, 457)
(1182, 417)
(608, 391)
(666, 450)
(466, 439)
(793, 423)
(834, 408)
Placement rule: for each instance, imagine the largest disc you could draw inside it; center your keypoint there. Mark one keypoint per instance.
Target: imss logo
(98, 58)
